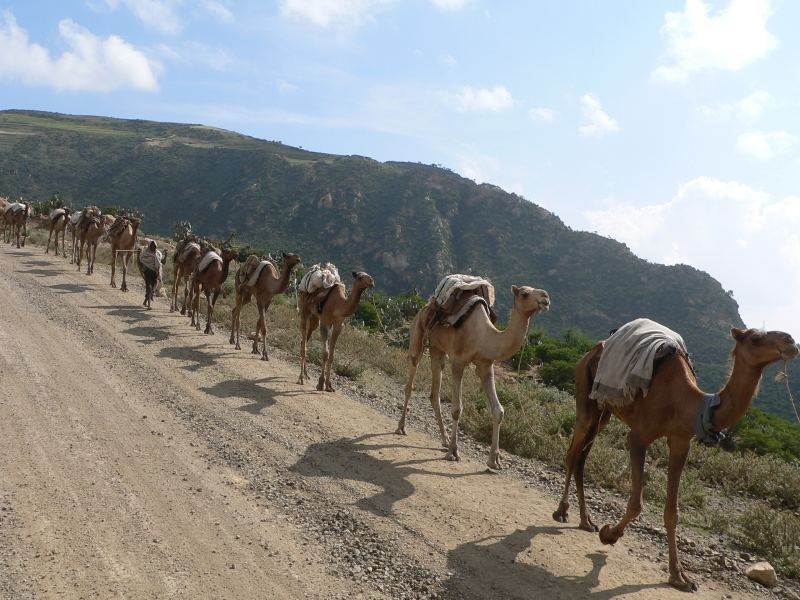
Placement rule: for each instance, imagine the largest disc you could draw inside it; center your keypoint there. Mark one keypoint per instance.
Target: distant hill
(405, 223)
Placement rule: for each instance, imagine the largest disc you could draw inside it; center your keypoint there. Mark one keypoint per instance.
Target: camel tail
(585, 371)
(418, 335)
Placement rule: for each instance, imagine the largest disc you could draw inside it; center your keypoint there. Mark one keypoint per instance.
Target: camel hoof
(494, 464)
(588, 526)
(238, 347)
(113, 284)
(319, 386)
(400, 431)
(300, 381)
(606, 537)
(183, 311)
(123, 289)
(683, 583)
(560, 517)
(452, 456)
(264, 357)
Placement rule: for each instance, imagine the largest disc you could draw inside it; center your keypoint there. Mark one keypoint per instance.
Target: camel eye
(525, 294)
(757, 338)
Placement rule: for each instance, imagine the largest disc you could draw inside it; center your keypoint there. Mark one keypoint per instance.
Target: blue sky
(672, 126)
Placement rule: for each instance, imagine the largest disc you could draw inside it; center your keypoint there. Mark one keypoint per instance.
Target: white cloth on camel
(452, 283)
(16, 208)
(318, 277)
(626, 365)
(188, 248)
(207, 259)
(152, 260)
(75, 217)
(56, 212)
(251, 282)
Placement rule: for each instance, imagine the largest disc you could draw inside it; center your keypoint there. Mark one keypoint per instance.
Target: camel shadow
(70, 288)
(41, 272)
(130, 314)
(489, 568)
(38, 263)
(259, 397)
(348, 458)
(193, 354)
(149, 335)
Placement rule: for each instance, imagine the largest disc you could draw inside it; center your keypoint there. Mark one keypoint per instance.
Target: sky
(671, 126)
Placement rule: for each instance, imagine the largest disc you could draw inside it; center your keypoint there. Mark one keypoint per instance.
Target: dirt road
(141, 459)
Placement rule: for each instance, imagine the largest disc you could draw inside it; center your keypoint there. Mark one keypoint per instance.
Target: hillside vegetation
(405, 223)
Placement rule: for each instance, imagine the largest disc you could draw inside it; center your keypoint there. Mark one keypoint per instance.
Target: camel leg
(610, 534)
(335, 331)
(173, 301)
(63, 242)
(678, 453)
(125, 258)
(437, 366)
(303, 343)
(457, 370)
(587, 426)
(194, 304)
(486, 374)
(324, 332)
(211, 299)
(412, 362)
(264, 355)
(49, 237)
(586, 522)
(113, 266)
(260, 324)
(234, 314)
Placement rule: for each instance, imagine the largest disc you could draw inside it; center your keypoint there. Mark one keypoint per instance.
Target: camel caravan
(641, 373)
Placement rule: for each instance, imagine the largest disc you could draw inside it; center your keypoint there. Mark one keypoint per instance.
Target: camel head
(362, 280)
(290, 259)
(530, 300)
(760, 348)
(228, 254)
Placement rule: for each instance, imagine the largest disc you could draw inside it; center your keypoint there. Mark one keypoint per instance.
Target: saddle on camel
(317, 284)
(456, 297)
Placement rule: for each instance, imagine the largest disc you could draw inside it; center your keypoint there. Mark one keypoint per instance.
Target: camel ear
(284, 255)
(738, 334)
(515, 289)
(355, 275)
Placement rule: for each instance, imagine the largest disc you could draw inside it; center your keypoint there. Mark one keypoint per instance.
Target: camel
(210, 280)
(77, 220)
(329, 315)
(58, 220)
(4, 202)
(122, 236)
(476, 341)
(670, 410)
(150, 265)
(268, 285)
(186, 258)
(17, 223)
(90, 228)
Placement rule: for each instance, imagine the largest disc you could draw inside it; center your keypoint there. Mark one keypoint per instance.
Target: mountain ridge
(406, 223)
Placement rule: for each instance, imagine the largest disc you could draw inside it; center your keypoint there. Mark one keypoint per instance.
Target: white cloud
(448, 60)
(729, 40)
(156, 14)
(284, 87)
(327, 13)
(471, 99)
(91, 63)
(765, 145)
(600, 123)
(218, 10)
(196, 53)
(451, 4)
(748, 110)
(742, 236)
(542, 113)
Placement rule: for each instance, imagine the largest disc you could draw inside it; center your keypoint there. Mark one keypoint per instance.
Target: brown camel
(17, 222)
(670, 410)
(4, 202)
(90, 228)
(268, 285)
(122, 236)
(328, 315)
(77, 221)
(476, 341)
(185, 259)
(210, 280)
(58, 220)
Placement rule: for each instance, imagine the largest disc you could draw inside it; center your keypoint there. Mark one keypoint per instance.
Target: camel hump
(453, 286)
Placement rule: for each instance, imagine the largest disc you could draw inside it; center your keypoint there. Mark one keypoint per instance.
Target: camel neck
(283, 282)
(501, 345)
(737, 394)
(226, 263)
(351, 304)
